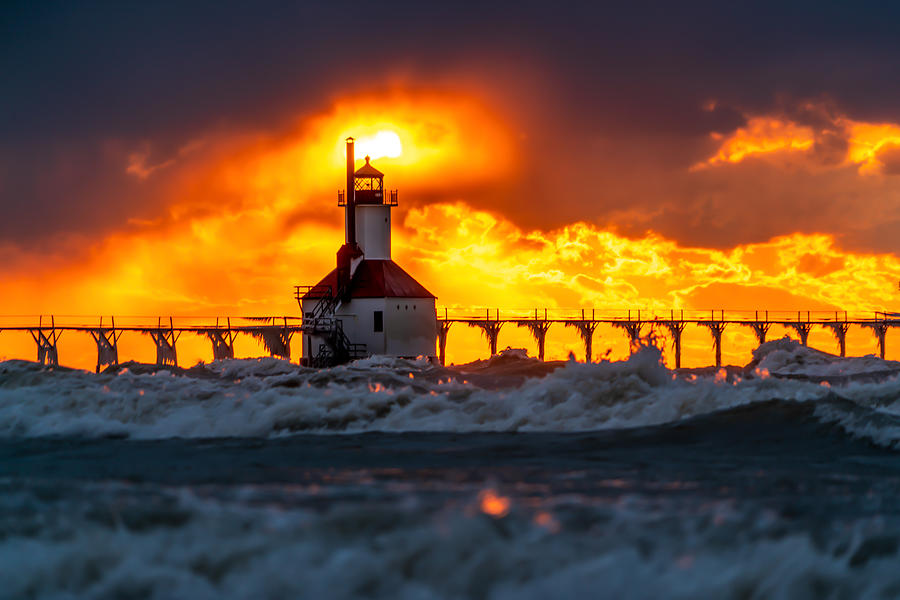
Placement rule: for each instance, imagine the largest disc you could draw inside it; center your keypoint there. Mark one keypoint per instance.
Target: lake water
(505, 479)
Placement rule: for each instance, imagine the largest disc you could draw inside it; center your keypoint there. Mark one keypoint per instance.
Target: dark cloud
(889, 156)
(121, 68)
(830, 147)
(619, 104)
(59, 187)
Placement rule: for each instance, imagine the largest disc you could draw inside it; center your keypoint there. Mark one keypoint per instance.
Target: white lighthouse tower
(367, 305)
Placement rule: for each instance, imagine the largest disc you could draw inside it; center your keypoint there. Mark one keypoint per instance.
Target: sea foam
(104, 542)
(269, 397)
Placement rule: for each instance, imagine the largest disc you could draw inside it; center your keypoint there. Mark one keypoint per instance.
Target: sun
(385, 143)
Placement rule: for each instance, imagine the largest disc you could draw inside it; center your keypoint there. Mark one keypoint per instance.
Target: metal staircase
(337, 348)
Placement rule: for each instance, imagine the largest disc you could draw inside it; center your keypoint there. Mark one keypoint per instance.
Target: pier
(671, 323)
(275, 333)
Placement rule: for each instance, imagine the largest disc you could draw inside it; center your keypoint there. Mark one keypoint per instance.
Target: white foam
(214, 549)
(267, 397)
(789, 357)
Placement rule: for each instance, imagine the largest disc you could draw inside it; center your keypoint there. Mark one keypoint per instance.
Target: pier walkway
(635, 323)
(275, 333)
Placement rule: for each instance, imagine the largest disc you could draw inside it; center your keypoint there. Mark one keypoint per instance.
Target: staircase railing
(337, 347)
(327, 300)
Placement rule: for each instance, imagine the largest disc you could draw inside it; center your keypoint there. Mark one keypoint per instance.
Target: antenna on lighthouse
(350, 220)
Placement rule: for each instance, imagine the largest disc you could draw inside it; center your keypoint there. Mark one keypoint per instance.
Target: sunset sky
(167, 160)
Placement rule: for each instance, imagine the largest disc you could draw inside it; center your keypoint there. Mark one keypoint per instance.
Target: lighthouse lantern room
(368, 304)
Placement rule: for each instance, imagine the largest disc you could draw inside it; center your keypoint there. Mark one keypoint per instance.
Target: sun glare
(382, 144)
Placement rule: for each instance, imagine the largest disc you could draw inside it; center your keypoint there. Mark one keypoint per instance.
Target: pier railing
(644, 314)
(275, 332)
(673, 321)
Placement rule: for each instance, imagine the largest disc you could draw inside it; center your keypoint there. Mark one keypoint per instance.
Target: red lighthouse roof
(377, 279)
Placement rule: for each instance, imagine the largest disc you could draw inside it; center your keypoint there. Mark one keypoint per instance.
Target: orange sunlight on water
(493, 504)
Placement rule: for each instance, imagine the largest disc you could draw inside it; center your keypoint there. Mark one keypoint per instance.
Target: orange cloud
(581, 266)
(771, 135)
(761, 135)
(250, 215)
(139, 167)
(868, 141)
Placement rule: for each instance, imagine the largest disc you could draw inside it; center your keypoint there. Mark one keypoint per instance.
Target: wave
(788, 358)
(121, 541)
(270, 397)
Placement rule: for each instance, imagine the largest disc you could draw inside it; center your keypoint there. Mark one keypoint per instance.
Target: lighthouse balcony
(370, 197)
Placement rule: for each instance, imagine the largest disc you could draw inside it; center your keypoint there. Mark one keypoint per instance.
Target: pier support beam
(165, 339)
(586, 331)
(715, 329)
(802, 328)
(107, 340)
(879, 328)
(538, 329)
(676, 328)
(46, 340)
(633, 329)
(839, 329)
(760, 328)
(491, 331)
(222, 343)
(443, 330)
(222, 339)
(276, 339)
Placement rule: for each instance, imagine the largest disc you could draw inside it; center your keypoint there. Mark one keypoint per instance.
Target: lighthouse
(368, 304)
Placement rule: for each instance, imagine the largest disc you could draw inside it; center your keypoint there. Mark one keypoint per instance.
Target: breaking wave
(123, 542)
(270, 397)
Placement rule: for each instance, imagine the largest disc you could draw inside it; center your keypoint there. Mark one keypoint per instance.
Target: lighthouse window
(379, 321)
